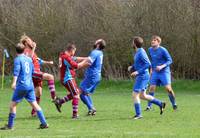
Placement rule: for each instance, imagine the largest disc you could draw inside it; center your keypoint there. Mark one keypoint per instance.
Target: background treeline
(54, 23)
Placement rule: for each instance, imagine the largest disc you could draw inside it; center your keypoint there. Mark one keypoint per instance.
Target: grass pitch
(114, 106)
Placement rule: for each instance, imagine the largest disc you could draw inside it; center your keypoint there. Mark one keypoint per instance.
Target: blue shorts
(88, 85)
(141, 83)
(160, 79)
(19, 94)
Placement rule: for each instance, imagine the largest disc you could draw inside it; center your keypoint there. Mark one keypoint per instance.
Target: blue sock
(90, 100)
(157, 102)
(137, 109)
(11, 118)
(86, 101)
(150, 103)
(41, 117)
(83, 98)
(172, 99)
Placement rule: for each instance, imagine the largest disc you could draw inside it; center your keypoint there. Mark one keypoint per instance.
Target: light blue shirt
(96, 59)
(23, 70)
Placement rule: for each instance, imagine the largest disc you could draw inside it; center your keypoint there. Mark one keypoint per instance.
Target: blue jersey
(96, 58)
(159, 57)
(141, 62)
(23, 70)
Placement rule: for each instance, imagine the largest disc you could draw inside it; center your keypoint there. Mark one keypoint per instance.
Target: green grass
(114, 109)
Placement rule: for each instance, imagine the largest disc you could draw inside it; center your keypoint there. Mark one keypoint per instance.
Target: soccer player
(38, 91)
(161, 74)
(38, 76)
(23, 88)
(68, 63)
(141, 74)
(92, 75)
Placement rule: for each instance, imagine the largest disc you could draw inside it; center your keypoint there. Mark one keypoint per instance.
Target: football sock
(90, 100)
(11, 118)
(156, 101)
(86, 101)
(75, 102)
(41, 117)
(149, 102)
(172, 99)
(83, 98)
(66, 98)
(137, 109)
(51, 86)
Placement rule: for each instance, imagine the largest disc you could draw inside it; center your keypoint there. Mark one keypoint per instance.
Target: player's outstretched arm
(41, 61)
(84, 64)
(80, 59)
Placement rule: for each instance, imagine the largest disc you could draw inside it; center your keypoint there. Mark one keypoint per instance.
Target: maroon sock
(51, 86)
(66, 99)
(75, 102)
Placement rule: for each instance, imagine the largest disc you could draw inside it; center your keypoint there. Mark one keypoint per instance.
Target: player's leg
(152, 89)
(153, 83)
(40, 115)
(88, 87)
(72, 86)
(11, 116)
(137, 106)
(84, 86)
(16, 98)
(166, 81)
(38, 92)
(75, 103)
(87, 100)
(51, 84)
(171, 96)
(30, 97)
(140, 84)
(153, 100)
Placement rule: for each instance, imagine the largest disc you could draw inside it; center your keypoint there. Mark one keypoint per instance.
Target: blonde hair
(157, 38)
(23, 39)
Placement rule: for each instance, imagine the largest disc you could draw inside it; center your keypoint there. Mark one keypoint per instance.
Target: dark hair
(138, 41)
(101, 43)
(71, 46)
(19, 48)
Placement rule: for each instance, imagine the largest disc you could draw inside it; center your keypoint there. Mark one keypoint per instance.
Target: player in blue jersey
(141, 73)
(92, 75)
(23, 88)
(161, 74)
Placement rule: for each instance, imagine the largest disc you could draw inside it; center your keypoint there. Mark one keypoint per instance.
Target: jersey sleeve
(146, 61)
(167, 57)
(17, 68)
(92, 57)
(74, 58)
(72, 63)
(41, 62)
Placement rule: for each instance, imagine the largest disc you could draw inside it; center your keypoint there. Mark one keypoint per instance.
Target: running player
(141, 74)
